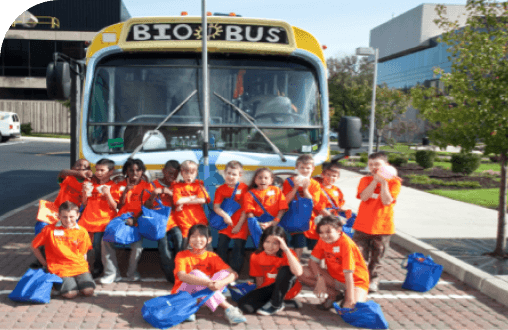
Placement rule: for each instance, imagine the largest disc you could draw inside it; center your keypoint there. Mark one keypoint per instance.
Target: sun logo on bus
(215, 31)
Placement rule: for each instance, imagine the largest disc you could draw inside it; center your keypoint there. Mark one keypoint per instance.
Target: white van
(9, 126)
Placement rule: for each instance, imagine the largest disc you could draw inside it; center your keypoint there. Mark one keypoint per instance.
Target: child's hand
(106, 190)
(378, 178)
(305, 183)
(130, 222)
(348, 303)
(157, 192)
(298, 181)
(283, 245)
(214, 285)
(85, 174)
(228, 221)
(167, 191)
(236, 229)
(179, 208)
(129, 187)
(320, 289)
(265, 225)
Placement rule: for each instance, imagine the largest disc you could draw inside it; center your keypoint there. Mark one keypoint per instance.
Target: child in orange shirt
(237, 229)
(100, 208)
(131, 194)
(163, 188)
(271, 197)
(189, 197)
(345, 267)
(71, 182)
(66, 247)
(374, 223)
(306, 187)
(197, 269)
(276, 269)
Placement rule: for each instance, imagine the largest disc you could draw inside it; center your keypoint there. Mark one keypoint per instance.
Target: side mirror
(350, 136)
(58, 81)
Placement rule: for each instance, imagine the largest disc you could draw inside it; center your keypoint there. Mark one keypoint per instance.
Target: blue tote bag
(167, 311)
(348, 227)
(153, 222)
(240, 290)
(297, 217)
(34, 287)
(253, 223)
(228, 205)
(366, 315)
(422, 273)
(117, 231)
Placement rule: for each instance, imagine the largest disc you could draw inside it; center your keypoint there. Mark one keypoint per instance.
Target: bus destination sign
(216, 31)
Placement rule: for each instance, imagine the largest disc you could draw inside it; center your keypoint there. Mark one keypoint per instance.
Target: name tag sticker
(239, 192)
(270, 193)
(336, 249)
(270, 275)
(374, 196)
(58, 232)
(336, 193)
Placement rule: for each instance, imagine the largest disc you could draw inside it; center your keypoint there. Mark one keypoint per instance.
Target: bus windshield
(132, 96)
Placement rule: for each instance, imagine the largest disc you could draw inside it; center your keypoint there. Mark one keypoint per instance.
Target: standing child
(197, 269)
(189, 197)
(131, 196)
(374, 223)
(237, 229)
(66, 246)
(345, 267)
(271, 197)
(164, 190)
(276, 269)
(100, 208)
(304, 186)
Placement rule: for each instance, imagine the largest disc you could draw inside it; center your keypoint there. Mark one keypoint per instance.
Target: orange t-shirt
(226, 191)
(338, 199)
(167, 201)
(65, 249)
(97, 213)
(373, 216)
(207, 262)
(191, 214)
(136, 197)
(267, 267)
(343, 255)
(272, 199)
(70, 190)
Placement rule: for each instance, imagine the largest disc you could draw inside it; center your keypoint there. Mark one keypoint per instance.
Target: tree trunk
(501, 219)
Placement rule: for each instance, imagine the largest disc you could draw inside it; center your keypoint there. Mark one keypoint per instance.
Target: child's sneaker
(109, 279)
(134, 278)
(268, 309)
(234, 315)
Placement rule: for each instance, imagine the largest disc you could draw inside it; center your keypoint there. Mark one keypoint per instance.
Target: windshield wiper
(250, 120)
(152, 132)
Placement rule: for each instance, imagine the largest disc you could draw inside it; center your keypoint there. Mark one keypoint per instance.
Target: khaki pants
(373, 248)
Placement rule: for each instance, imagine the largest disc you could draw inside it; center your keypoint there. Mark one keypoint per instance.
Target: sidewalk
(452, 304)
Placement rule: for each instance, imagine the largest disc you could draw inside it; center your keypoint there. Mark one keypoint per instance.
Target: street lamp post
(369, 51)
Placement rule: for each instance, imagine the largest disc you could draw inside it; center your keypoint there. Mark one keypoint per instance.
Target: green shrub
(26, 129)
(364, 157)
(495, 159)
(425, 158)
(397, 160)
(465, 163)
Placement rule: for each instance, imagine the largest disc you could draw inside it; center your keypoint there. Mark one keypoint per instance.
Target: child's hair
(186, 165)
(331, 220)
(272, 231)
(131, 162)
(107, 162)
(235, 165)
(253, 184)
(172, 164)
(304, 159)
(68, 206)
(202, 229)
(379, 155)
(333, 167)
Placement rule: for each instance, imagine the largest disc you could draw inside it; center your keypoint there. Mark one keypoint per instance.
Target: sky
(340, 25)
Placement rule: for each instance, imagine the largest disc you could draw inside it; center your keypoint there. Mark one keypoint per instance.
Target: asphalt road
(28, 170)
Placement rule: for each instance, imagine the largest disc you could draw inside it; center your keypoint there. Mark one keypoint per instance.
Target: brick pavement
(450, 305)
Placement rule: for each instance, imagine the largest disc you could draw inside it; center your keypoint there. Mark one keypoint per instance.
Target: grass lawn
(49, 135)
(483, 197)
(483, 167)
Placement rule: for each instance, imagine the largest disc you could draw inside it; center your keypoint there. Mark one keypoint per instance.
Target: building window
(23, 94)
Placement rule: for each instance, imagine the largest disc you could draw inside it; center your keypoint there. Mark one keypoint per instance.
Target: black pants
(273, 293)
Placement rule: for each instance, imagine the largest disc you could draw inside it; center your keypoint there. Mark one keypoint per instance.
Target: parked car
(9, 126)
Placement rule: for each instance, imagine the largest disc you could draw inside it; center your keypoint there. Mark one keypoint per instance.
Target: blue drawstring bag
(297, 217)
(240, 290)
(117, 231)
(153, 222)
(34, 287)
(228, 205)
(366, 315)
(253, 223)
(422, 273)
(167, 311)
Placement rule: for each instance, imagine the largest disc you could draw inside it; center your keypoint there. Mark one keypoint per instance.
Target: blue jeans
(168, 254)
(98, 268)
(237, 256)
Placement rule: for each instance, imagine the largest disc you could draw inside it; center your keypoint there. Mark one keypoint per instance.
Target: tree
(474, 107)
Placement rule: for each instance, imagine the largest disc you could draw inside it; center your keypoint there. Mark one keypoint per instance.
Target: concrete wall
(45, 116)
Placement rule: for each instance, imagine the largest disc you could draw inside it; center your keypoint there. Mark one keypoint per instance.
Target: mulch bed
(438, 173)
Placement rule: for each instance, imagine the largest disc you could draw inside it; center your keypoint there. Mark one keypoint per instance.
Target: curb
(482, 281)
(44, 139)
